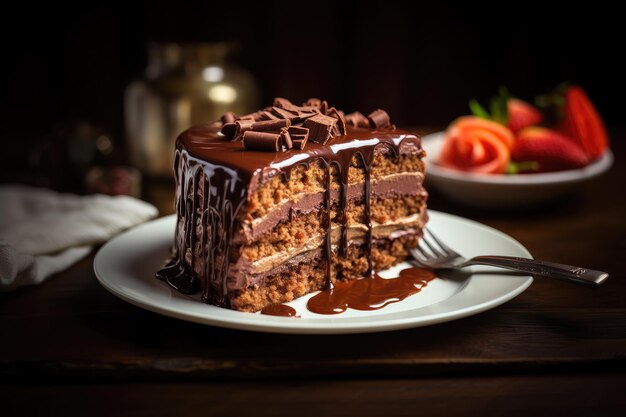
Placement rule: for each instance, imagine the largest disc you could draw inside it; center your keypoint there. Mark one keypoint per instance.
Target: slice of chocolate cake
(286, 201)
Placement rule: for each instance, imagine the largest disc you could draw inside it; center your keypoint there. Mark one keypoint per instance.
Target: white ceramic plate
(126, 265)
(483, 190)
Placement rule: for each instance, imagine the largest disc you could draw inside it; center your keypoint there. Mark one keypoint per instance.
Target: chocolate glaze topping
(216, 177)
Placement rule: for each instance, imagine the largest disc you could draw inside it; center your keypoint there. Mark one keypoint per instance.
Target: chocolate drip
(216, 178)
(211, 196)
(343, 203)
(205, 222)
(178, 277)
(176, 272)
(328, 243)
(368, 215)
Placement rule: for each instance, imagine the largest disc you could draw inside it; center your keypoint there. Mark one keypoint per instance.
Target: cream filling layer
(354, 232)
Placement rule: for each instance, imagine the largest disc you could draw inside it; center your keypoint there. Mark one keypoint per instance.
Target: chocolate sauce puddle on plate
(281, 310)
(370, 293)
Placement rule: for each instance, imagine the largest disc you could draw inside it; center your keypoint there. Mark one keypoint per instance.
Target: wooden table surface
(70, 346)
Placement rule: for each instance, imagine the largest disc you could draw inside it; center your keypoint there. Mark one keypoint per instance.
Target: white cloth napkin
(43, 232)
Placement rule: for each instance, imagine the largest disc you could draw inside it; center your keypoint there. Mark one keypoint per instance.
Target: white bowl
(504, 191)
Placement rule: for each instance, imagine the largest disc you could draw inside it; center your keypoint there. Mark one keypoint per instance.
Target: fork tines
(431, 251)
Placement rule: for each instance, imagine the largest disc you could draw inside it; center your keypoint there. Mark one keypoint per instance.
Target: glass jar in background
(184, 84)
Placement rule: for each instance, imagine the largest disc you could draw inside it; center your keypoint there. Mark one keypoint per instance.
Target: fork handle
(575, 274)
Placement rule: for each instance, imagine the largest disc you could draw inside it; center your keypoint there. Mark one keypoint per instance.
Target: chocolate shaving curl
(341, 121)
(324, 107)
(229, 130)
(313, 102)
(284, 114)
(357, 119)
(243, 125)
(379, 119)
(299, 143)
(298, 130)
(228, 117)
(267, 115)
(299, 136)
(270, 125)
(286, 138)
(282, 103)
(261, 141)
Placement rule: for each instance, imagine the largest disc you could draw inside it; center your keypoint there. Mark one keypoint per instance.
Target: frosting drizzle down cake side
(259, 223)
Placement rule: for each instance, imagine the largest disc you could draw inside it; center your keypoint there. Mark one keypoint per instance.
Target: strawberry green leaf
(478, 110)
(525, 166)
(562, 87)
(499, 111)
(547, 100)
(505, 94)
(552, 102)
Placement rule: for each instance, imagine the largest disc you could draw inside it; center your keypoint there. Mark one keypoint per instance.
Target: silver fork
(432, 253)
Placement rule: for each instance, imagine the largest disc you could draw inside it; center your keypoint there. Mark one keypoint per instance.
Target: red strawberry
(550, 149)
(582, 122)
(522, 114)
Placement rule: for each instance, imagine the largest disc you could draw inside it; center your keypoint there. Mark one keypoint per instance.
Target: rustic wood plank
(571, 395)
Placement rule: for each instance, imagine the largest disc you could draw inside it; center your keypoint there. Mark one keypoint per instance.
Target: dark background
(420, 61)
